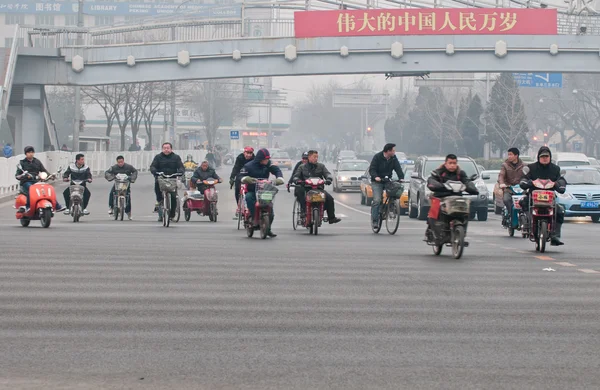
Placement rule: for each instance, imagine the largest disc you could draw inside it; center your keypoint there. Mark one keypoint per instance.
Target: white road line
(352, 208)
(565, 264)
(589, 271)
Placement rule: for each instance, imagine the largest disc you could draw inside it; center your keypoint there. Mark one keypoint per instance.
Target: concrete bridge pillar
(29, 119)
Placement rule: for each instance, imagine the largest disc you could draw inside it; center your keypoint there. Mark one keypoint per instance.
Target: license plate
(589, 205)
(543, 197)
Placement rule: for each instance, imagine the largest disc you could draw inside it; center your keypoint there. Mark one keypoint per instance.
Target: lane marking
(352, 208)
(524, 252)
(545, 258)
(565, 264)
(588, 271)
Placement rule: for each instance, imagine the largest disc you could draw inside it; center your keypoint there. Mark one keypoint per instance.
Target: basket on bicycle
(265, 193)
(456, 205)
(167, 184)
(315, 196)
(394, 189)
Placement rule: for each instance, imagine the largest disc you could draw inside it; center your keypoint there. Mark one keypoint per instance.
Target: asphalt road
(107, 304)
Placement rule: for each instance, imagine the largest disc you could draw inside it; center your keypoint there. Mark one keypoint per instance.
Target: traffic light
(369, 130)
(535, 138)
(546, 138)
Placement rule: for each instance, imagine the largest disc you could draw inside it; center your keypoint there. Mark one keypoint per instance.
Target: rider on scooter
(131, 172)
(449, 171)
(298, 164)
(190, 164)
(313, 168)
(78, 171)
(33, 167)
(260, 168)
(241, 160)
(545, 169)
(511, 174)
(204, 172)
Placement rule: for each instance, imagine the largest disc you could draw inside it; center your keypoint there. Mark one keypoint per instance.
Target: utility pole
(173, 113)
(78, 88)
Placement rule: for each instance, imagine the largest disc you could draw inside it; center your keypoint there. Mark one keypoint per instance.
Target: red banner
(434, 21)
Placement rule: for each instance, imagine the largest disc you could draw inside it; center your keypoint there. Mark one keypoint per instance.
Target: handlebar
(162, 174)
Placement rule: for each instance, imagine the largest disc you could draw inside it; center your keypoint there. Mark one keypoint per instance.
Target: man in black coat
(78, 171)
(545, 169)
(169, 163)
(313, 168)
(241, 160)
(383, 164)
(123, 168)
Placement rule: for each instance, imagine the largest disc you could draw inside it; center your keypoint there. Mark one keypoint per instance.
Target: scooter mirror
(563, 172)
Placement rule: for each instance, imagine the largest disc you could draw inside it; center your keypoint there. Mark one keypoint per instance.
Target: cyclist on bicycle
(313, 168)
(241, 160)
(260, 168)
(383, 164)
(169, 163)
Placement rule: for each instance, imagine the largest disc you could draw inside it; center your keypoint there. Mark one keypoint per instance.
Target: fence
(97, 161)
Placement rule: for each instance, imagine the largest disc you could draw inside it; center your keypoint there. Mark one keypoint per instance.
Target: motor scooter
(42, 200)
(314, 216)
(203, 203)
(515, 220)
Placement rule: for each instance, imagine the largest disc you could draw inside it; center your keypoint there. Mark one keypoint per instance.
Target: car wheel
(482, 215)
(422, 214)
(595, 218)
(412, 211)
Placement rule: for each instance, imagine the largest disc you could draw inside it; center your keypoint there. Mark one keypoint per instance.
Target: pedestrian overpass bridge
(196, 50)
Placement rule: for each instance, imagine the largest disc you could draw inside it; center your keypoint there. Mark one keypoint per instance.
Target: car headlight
(565, 196)
(342, 178)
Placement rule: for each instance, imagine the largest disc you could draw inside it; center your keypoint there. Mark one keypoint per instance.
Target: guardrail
(203, 30)
(97, 161)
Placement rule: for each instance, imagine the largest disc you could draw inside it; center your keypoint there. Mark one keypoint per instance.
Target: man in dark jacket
(313, 168)
(33, 167)
(78, 171)
(129, 170)
(545, 169)
(510, 174)
(241, 160)
(383, 164)
(168, 163)
(449, 171)
(204, 172)
(304, 160)
(260, 168)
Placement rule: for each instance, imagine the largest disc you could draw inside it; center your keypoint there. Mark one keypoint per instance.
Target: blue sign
(70, 7)
(234, 134)
(539, 80)
(577, 146)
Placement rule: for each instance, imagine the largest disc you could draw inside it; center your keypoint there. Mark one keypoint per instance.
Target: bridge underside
(320, 56)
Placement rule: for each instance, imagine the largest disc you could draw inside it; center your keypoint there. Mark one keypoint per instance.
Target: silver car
(347, 174)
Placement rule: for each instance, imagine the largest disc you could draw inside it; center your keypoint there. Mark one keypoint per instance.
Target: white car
(347, 174)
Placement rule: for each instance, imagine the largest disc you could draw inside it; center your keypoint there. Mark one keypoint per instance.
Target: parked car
(346, 155)
(347, 173)
(282, 160)
(418, 194)
(494, 193)
(582, 196)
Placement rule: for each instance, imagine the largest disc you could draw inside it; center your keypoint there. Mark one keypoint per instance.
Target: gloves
(328, 182)
(503, 186)
(231, 182)
(279, 181)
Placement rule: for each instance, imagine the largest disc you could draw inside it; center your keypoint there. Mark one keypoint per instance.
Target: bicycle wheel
(295, 214)
(393, 217)
(121, 208)
(166, 213)
(241, 212)
(177, 208)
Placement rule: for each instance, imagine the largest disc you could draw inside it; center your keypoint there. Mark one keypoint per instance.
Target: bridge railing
(97, 161)
(9, 75)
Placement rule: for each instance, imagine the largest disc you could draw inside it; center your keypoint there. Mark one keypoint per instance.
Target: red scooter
(203, 203)
(265, 195)
(42, 201)
(315, 206)
(541, 215)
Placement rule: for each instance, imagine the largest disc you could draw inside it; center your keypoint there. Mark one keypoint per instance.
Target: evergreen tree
(507, 122)
(471, 128)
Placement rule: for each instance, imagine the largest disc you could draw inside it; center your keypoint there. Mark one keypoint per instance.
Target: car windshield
(354, 166)
(281, 155)
(493, 177)
(572, 163)
(582, 177)
(466, 165)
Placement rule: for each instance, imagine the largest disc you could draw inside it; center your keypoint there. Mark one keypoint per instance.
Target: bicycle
(168, 186)
(241, 206)
(389, 210)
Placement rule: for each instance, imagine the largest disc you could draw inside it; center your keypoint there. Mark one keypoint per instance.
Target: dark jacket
(382, 167)
(78, 173)
(298, 164)
(127, 169)
(441, 175)
(169, 165)
(511, 174)
(309, 170)
(549, 172)
(258, 171)
(33, 167)
(199, 174)
(240, 161)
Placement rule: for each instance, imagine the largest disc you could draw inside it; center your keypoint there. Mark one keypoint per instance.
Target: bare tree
(216, 102)
(108, 97)
(157, 93)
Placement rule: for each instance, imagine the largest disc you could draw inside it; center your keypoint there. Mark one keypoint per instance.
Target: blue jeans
(251, 201)
(377, 197)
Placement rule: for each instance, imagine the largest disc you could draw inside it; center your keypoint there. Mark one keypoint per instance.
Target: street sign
(234, 134)
(577, 146)
(539, 80)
